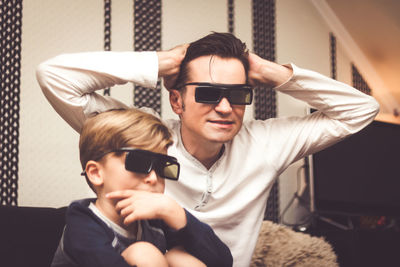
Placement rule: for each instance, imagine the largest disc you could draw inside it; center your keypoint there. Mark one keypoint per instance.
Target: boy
(124, 152)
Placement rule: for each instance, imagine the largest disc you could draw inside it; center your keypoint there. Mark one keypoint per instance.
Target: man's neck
(205, 152)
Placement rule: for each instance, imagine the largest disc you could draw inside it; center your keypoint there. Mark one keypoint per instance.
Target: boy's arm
(183, 230)
(87, 242)
(199, 240)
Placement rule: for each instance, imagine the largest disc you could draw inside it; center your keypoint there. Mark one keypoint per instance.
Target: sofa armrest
(29, 235)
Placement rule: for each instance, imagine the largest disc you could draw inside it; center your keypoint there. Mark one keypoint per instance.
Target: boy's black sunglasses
(212, 93)
(143, 161)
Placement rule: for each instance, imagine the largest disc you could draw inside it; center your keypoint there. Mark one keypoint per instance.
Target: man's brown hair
(224, 45)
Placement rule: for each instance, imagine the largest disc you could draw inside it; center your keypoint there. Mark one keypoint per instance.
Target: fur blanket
(278, 245)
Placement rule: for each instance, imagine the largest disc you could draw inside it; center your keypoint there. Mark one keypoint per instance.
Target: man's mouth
(222, 122)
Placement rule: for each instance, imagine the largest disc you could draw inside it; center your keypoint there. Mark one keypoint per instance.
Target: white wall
(49, 164)
(302, 38)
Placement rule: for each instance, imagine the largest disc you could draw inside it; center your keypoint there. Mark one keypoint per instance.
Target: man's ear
(176, 101)
(94, 172)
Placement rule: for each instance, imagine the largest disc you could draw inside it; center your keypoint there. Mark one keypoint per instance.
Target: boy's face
(116, 177)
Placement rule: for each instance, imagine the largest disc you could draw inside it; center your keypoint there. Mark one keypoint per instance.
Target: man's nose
(223, 106)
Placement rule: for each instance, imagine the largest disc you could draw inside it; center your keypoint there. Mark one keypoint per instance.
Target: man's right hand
(169, 63)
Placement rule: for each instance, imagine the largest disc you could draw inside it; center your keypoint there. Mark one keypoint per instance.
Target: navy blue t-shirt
(88, 241)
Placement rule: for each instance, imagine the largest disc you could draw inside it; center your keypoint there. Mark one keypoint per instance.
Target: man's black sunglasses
(143, 161)
(212, 93)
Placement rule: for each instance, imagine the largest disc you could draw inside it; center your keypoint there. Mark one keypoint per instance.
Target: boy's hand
(135, 205)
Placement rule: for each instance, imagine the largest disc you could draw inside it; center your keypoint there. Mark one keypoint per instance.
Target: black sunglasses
(143, 161)
(212, 93)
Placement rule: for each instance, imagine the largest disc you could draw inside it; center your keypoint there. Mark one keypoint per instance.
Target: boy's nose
(151, 178)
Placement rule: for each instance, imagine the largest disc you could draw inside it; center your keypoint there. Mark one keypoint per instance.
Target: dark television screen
(361, 174)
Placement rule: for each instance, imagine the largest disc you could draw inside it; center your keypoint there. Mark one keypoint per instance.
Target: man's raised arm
(70, 81)
(341, 109)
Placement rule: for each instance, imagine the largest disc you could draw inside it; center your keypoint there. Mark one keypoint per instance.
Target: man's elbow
(42, 74)
(375, 107)
(364, 116)
(372, 110)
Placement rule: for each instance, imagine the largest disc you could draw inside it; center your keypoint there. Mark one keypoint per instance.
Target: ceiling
(374, 25)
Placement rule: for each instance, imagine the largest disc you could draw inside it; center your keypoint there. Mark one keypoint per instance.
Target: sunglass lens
(207, 94)
(240, 97)
(171, 170)
(138, 162)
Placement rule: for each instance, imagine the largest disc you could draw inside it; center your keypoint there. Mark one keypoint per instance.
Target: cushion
(279, 245)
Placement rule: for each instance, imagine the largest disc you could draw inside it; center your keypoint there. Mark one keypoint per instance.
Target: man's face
(215, 123)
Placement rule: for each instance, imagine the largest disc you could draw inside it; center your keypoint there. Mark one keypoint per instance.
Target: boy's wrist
(173, 215)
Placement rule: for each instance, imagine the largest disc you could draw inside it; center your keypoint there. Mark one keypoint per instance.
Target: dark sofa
(29, 235)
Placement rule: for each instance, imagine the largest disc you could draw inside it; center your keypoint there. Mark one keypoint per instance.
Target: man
(227, 166)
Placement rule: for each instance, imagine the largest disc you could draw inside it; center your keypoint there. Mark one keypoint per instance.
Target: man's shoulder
(256, 131)
(255, 124)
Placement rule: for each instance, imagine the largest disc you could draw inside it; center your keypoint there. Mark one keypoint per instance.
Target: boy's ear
(176, 101)
(94, 172)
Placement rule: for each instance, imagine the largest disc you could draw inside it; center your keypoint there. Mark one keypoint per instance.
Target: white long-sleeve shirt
(231, 196)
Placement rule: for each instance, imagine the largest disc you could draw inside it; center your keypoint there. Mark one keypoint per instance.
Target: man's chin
(222, 136)
(221, 139)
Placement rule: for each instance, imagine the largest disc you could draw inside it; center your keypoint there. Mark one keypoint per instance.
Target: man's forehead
(210, 59)
(216, 69)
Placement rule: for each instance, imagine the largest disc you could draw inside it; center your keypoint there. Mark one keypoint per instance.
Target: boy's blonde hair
(116, 129)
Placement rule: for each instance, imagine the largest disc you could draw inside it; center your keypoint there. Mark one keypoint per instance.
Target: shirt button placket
(207, 193)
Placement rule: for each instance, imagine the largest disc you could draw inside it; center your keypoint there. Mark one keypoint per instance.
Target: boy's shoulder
(82, 202)
(81, 205)
(79, 213)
